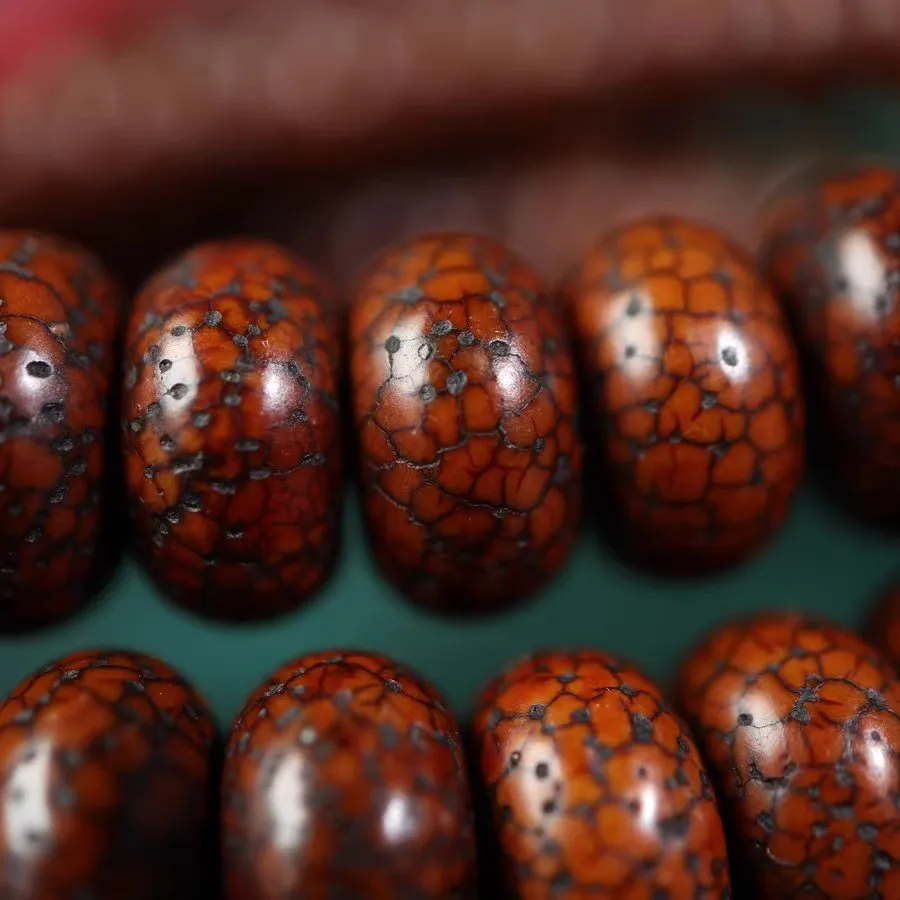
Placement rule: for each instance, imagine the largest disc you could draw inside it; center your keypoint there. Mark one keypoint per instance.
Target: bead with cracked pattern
(595, 785)
(59, 313)
(465, 401)
(105, 775)
(696, 390)
(373, 795)
(832, 249)
(799, 722)
(232, 430)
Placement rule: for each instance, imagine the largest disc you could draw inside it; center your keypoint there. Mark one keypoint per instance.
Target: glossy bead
(344, 777)
(105, 779)
(465, 401)
(595, 786)
(59, 313)
(800, 722)
(832, 248)
(696, 393)
(231, 428)
(883, 628)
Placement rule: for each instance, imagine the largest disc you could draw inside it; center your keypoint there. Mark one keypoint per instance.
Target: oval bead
(595, 786)
(232, 429)
(105, 778)
(832, 249)
(59, 315)
(344, 776)
(696, 393)
(465, 403)
(800, 723)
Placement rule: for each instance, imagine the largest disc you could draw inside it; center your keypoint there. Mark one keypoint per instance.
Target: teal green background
(821, 561)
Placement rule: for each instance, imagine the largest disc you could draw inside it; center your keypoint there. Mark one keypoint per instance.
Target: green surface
(821, 561)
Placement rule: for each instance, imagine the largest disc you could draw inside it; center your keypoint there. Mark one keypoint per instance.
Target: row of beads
(345, 776)
(464, 398)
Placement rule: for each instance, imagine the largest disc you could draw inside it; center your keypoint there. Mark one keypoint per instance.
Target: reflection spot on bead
(392, 344)
(38, 369)
(730, 356)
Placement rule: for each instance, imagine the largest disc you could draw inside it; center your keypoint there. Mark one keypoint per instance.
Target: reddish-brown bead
(465, 401)
(832, 249)
(59, 313)
(800, 723)
(105, 775)
(232, 430)
(372, 792)
(883, 628)
(595, 786)
(696, 393)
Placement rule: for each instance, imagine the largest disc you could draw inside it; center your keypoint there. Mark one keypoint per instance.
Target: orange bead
(832, 250)
(231, 428)
(695, 391)
(596, 787)
(345, 777)
(59, 319)
(465, 403)
(800, 723)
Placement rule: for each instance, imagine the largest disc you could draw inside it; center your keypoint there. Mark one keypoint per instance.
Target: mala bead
(800, 723)
(344, 777)
(832, 249)
(696, 393)
(59, 314)
(595, 785)
(465, 403)
(105, 774)
(232, 429)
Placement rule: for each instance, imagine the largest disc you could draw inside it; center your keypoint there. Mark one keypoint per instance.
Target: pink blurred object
(32, 31)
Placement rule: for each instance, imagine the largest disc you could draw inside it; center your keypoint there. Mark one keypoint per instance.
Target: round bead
(696, 392)
(232, 430)
(59, 313)
(465, 402)
(105, 779)
(832, 249)
(344, 776)
(800, 721)
(595, 785)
